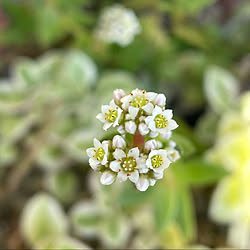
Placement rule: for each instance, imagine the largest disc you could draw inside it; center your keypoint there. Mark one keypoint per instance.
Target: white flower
(161, 121)
(128, 165)
(99, 154)
(150, 145)
(118, 142)
(143, 183)
(118, 24)
(107, 178)
(136, 100)
(110, 115)
(130, 127)
(118, 94)
(160, 100)
(158, 160)
(143, 129)
(173, 154)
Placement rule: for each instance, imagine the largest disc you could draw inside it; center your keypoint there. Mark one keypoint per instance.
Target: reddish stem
(139, 140)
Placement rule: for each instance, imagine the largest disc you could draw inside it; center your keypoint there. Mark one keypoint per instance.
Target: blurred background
(61, 60)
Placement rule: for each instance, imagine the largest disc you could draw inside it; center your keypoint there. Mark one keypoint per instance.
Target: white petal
(118, 142)
(112, 104)
(104, 160)
(90, 152)
(107, 178)
(125, 101)
(159, 170)
(148, 108)
(141, 165)
(130, 127)
(122, 176)
(134, 176)
(151, 95)
(133, 111)
(118, 154)
(168, 113)
(152, 182)
(154, 134)
(158, 175)
(172, 125)
(149, 119)
(97, 143)
(107, 125)
(167, 135)
(143, 129)
(115, 165)
(121, 130)
(93, 163)
(105, 108)
(142, 184)
(134, 152)
(157, 111)
(150, 145)
(151, 125)
(160, 100)
(101, 117)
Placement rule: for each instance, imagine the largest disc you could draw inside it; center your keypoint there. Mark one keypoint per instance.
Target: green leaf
(186, 216)
(43, 217)
(131, 197)
(185, 7)
(86, 218)
(185, 145)
(48, 27)
(110, 81)
(221, 88)
(165, 201)
(197, 172)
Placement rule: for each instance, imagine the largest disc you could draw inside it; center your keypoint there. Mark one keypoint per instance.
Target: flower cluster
(136, 154)
(118, 24)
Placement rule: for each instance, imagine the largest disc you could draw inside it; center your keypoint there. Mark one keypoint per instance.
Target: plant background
(55, 75)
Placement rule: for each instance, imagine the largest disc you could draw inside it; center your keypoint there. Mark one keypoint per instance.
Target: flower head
(99, 154)
(161, 121)
(118, 24)
(110, 115)
(135, 155)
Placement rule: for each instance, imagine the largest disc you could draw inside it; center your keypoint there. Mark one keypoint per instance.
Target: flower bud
(143, 129)
(173, 154)
(118, 142)
(150, 145)
(130, 127)
(107, 178)
(160, 100)
(121, 130)
(118, 94)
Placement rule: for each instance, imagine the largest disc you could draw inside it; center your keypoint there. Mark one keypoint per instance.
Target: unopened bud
(118, 94)
(143, 129)
(151, 145)
(118, 142)
(130, 127)
(160, 100)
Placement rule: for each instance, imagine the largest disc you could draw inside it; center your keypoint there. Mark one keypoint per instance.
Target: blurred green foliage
(193, 51)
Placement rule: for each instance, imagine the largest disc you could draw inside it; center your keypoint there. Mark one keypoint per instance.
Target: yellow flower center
(160, 121)
(99, 155)
(139, 101)
(156, 161)
(111, 116)
(128, 164)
